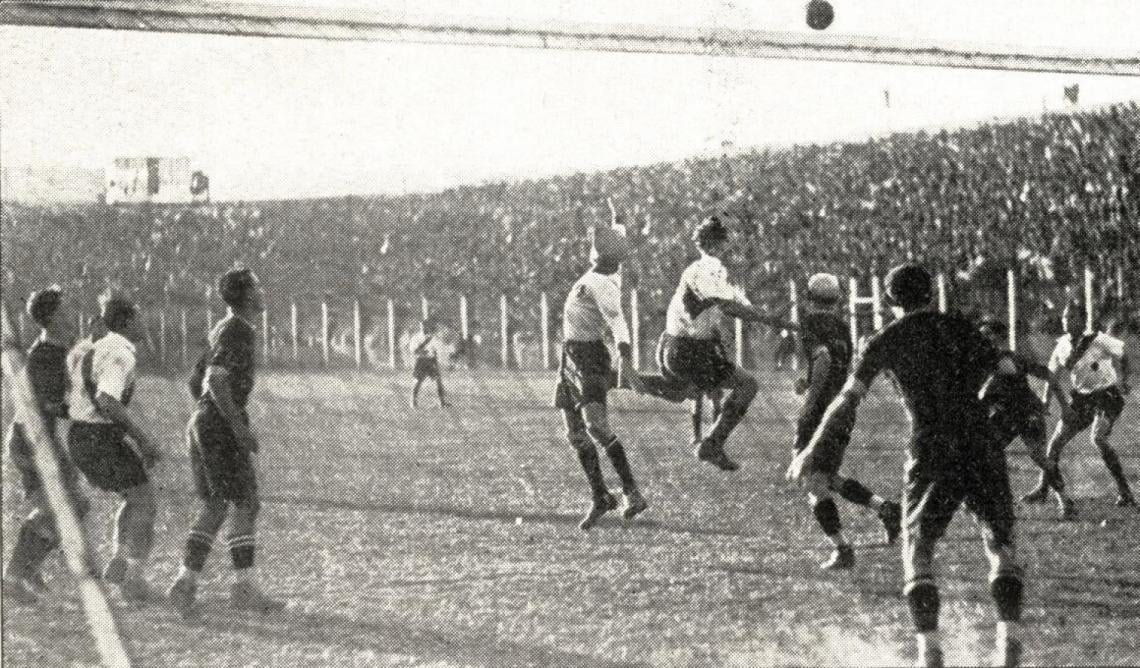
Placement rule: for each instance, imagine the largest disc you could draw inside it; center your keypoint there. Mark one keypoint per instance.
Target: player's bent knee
(1006, 590)
(248, 506)
(924, 602)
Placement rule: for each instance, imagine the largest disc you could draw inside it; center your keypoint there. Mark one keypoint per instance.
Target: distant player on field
(425, 347)
(1015, 411)
(222, 448)
(593, 307)
(940, 362)
(827, 349)
(1097, 370)
(47, 372)
(109, 447)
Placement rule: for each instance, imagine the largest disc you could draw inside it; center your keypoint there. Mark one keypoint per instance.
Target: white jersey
(593, 307)
(424, 345)
(1096, 368)
(689, 315)
(112, 370)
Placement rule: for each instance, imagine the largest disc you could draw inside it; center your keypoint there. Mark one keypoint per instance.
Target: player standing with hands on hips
(592, 308)
(940, 362)
(222, 449)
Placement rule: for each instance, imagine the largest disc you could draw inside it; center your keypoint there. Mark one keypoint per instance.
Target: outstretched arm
(750, 313)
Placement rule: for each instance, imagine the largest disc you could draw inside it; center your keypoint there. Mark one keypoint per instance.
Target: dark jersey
(1011, 392)
(233, 347)
(940, 362)
(47, 371)
(829, 331)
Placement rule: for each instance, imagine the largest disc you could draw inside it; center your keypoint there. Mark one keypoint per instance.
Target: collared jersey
(692, 312)
(593, 307)
(47, 372)
(1094, 369)
(112, 371)
(233, 347)
(828, 331)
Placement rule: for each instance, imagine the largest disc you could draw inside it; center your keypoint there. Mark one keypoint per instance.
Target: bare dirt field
(448, 537)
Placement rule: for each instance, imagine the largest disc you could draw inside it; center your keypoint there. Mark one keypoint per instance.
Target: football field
(448, 537)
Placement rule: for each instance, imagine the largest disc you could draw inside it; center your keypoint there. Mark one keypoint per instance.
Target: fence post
(853, 309)
(82, 328)
(325, 332)
(877, 302)
(294, 332)
(209, 319)
(544, 329)
(464, 324)
(265, 336)
(425, 308)
(1120, 291)
(358, 342)
(22, 326)
(794, 315)
(162, 336)
(504, 331)
(635, 328)
(943, 300)
(1090, 309)
(1011, 302)
(391, 334)
(185, 338)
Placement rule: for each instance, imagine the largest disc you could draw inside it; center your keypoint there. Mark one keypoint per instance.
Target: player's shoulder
(232, 330)
(46, 352)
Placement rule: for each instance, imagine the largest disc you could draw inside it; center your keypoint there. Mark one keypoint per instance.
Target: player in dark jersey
(1015, 411)
(222, 449)
(940, 362)
(47, 373)
(827, 349)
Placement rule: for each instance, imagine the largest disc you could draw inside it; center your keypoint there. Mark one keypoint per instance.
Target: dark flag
(1073, 93)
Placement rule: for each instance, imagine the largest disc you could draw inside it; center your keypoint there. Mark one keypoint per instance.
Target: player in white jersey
(1097, 368)
(592, 308)
(692, 354)
(425, 348)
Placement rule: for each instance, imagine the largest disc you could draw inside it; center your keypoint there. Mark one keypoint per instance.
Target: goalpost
(104, 628)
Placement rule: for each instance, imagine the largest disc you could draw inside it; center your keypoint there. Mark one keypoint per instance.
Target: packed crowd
(1049, 194)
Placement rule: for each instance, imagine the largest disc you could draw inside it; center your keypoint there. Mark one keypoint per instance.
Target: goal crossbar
(245, 19)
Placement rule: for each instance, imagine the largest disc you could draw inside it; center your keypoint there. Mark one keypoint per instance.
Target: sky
(270, 118)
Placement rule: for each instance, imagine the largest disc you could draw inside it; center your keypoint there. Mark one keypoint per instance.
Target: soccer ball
(820, 14)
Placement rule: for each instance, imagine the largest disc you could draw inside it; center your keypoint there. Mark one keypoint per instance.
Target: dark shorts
(222, 468)
(1108, 402)
(701, 363)
(101, 453)
(426, 367)
(830, 451)
(953, 469)
(584, 375)
(1027, 423)
(20, 450)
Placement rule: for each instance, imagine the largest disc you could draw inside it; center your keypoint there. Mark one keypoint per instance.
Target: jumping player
(222, 449)
(109, 447)
(940, 362)
(827, 349)
(593, 307)
(1097, 369)
(671, 389)
(424, 347)
(47, 372)
(1015, 411)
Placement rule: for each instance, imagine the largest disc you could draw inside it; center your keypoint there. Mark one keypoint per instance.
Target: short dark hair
(909, 286)
(116, 311)
(994, 327)
(711, 231)
(43, 304)
(234, 285)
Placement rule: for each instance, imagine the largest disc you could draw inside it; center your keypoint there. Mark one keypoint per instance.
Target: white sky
(282, 118)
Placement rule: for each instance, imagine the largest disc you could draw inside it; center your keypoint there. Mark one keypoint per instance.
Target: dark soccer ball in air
(820, 14)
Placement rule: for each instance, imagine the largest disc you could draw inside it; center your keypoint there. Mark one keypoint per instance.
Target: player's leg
(36, 538)
(741, 388)
(990, 500)
(579, 438)
(1033, 433)
(827, 515)
(211, 514)
(416, 389)
(1062, 434)
(597, 425)
(439, 388)
(134, 538)
(697, 415)
(1101, 432)
(239, 487)
(853, 491)
(716, 398)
